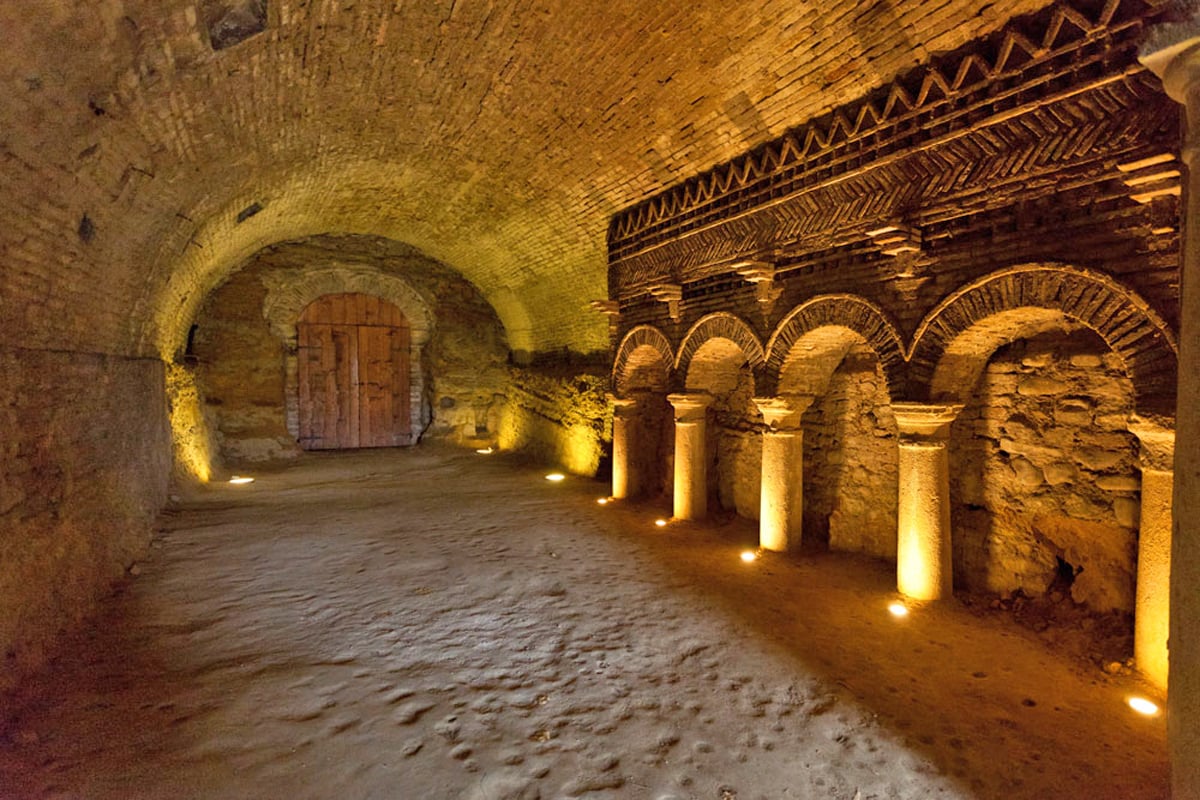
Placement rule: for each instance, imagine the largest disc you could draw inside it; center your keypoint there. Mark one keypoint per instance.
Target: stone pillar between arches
(626, 482)
(782, 494)
(923, 551)
(1172, 52)
(690, 496)
(1152, 604)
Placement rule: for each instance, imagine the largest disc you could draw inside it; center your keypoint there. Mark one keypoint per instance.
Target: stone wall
(559, 415)
(1043, 468)
(735, 449)
(850, 461)
(652, 444)
(242, 362)
(86, 465)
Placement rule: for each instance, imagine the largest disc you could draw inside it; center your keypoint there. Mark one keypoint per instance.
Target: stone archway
(643, 362)
(954, 340)
(718, 364)
(641, 377)
(839, 361)
(812, 339)
(718, 326)
(289, 292)
(1072, 449)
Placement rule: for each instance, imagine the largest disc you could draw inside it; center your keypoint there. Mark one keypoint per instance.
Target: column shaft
(691, 470)
(923, 555)
(1152, 609)
(781, 498)
(923, 551)
(1173, 53)
(626, 482)
(782, 494)
(691, 457)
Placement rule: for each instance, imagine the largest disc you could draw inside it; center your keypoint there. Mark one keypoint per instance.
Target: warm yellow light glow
(749, 555)
(240, 479)
(485, 451)
(555, 477)
(898, 609)
(580, 449)
(662, 523)
(189, 427)
(1143, 706)
(603, 501)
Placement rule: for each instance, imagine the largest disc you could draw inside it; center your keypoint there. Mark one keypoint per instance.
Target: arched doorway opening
(354, 374)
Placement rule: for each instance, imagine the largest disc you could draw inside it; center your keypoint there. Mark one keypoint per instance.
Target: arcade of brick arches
(901, 285)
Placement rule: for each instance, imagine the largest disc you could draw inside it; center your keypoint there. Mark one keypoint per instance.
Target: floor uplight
(555, 477)
(240, 479)
(662, 523)
(749, 555)
(485, 451)
(1143, 706)
(601, 501)
(898, 609)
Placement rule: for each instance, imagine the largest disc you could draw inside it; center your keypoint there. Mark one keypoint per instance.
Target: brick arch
(290, 292)
(953, 343)
(824, 316)
(645, 349)
(720, 325)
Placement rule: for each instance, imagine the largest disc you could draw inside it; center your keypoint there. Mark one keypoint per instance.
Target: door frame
(289, 292)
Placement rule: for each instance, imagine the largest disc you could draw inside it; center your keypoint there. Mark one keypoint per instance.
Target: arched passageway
(643, 430)
(718, 450)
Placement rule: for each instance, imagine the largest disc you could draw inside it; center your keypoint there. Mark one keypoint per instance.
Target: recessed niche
(232, 21)
(249, 211)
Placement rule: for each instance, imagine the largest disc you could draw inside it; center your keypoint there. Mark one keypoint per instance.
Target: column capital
(689, 407)
(622, 406)
(925, 422)
(1157, 438)
(783, 413)
(1172, 52)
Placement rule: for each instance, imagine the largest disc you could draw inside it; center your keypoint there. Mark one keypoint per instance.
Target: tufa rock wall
(558, 414)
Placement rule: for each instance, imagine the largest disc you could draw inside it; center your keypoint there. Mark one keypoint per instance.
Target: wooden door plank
(354, 373)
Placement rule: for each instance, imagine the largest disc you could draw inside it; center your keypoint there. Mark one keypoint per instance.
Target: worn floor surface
(430, 624)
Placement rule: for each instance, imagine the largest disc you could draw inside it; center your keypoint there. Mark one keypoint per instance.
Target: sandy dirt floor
(430, 624)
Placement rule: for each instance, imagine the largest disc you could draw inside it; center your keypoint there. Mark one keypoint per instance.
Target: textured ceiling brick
(496, 137)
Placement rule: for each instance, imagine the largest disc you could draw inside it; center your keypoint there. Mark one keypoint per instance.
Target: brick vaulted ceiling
(498, 137)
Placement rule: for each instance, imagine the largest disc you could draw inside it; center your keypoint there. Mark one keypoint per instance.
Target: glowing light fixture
(601, 501)
(898, 609)
(1143, 706)
(556, 477)
(485, 451)
(749, 555)
(662, 523)
(240, 479)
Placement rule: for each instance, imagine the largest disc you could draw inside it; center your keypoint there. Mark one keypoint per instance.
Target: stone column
(1151, 614)
(1173, 53)
(923, 555)
(625, 479)
(691, 458)
(782, 494)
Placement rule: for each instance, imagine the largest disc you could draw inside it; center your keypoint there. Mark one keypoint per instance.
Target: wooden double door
(354, 374)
